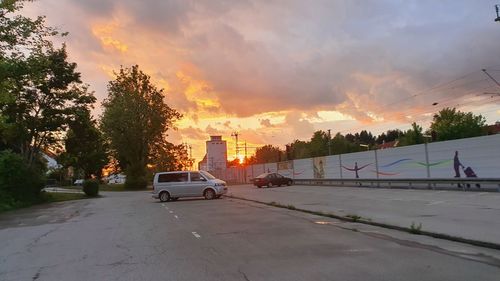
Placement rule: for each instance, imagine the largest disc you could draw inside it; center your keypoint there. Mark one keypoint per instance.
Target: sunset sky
(276, 71)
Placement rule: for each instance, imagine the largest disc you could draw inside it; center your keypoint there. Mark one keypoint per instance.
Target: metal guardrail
(465, 184)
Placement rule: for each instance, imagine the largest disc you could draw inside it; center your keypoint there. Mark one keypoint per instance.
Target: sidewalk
(470, 215)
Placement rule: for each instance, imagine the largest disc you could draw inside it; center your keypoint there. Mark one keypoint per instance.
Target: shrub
(19, 184)
(91, 188)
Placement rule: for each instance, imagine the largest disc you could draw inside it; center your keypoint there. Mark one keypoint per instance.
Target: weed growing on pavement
(416, 229)
(354, 218)
(291, 207)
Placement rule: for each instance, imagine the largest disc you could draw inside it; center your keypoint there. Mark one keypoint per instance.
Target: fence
(471, 158)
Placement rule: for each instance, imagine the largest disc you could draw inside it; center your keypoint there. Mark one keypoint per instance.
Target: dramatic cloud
(275, 65)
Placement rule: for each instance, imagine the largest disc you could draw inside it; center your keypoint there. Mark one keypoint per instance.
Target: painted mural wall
(472, 157)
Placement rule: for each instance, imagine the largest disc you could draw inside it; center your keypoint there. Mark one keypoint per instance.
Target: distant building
(216, 155)
(51, 160)
(389, 144)
(493, 129)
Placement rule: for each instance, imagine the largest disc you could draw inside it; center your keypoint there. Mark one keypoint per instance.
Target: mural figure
(457, 165)
(356, 168)
(318, 167)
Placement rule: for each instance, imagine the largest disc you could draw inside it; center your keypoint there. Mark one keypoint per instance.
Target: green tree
(135, 120)
(85, 147)
(300, 149)
(40, 91)
(268, 154)
(413, 136)
(390, 135)
(169, 157)
(318, 145)
(451, 124)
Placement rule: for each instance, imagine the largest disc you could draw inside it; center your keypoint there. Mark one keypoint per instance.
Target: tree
(169, 157)
(318, 146)
(390, 135)
(40, 91)
(135, 120)
(451, 124)
(85, 146)
(300, 149)
(268, 154)
(413, 136)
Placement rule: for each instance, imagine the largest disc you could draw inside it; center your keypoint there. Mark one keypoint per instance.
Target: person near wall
(457, 165)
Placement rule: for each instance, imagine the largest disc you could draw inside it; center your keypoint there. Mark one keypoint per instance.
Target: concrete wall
(434, 160)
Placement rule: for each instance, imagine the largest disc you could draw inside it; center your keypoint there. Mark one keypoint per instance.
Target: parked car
(271, 179)
(78, 182)
(173, 185)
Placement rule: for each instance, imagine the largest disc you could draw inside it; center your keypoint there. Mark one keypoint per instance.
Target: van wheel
(209, 194)
(164, 196)
(269, 185)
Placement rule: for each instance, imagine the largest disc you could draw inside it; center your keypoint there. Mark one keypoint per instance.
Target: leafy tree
(135, 120)
(300, 149)
(40, 91)
(48, 93)
(318, 146)
(268, 154)
(169, 157)
(85, 146)
(413, 136)
(390, 135)
(451, 124)
(341, 144)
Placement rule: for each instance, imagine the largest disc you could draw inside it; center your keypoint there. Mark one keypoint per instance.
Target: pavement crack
(243, 274)
(37, 274)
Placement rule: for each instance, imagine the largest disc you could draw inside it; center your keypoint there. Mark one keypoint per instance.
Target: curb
(489, 245)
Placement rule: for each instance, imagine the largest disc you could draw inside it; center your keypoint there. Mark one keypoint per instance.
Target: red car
(271, 179)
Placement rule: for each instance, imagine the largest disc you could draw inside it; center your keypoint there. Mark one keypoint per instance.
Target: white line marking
(163, 204)
(176, 216)
(435, 203)
(166, 208)
(171, 212)
(196, 235)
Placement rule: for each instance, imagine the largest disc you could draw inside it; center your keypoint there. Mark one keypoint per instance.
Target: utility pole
(498, 15)
(245, 150)
(235, 135)
(329, 142)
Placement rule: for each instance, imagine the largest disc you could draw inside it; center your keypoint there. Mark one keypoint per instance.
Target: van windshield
(207, 175)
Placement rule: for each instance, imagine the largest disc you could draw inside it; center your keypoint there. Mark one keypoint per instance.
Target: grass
(44, 198)
(355, 218)
(49, 197)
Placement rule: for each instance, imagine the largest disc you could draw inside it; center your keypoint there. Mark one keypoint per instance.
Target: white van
(172, 185)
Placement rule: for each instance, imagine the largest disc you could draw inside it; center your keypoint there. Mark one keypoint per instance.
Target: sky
(276, 71)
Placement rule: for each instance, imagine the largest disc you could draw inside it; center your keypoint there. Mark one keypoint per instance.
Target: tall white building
(216, 156)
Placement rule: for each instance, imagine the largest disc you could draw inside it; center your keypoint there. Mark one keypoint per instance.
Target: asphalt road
(130, 236)
(472, 215)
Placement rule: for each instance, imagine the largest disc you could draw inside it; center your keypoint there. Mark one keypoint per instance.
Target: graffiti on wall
(319, 167)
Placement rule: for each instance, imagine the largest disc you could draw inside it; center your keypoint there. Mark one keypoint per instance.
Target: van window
(174, 177)
(195, 176)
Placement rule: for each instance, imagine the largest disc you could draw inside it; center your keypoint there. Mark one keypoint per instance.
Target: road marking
(171, 212)
(166, 208)
(163, 204)
(435, 203)
(196, 235)
(176, 216)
